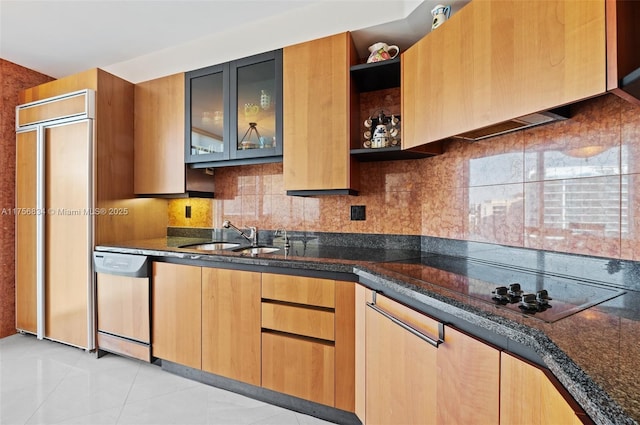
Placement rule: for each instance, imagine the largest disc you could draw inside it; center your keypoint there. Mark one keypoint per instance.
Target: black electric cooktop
(543, 296)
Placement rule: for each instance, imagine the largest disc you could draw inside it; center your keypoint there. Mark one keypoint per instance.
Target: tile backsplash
(568, 187)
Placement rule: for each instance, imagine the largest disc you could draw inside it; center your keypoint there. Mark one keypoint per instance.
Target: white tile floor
(43, 382)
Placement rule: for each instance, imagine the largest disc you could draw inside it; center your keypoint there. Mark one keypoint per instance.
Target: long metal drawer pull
(434, 342)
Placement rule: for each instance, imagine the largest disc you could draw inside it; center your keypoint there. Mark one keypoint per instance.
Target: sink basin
(212, 246)
(257, 250)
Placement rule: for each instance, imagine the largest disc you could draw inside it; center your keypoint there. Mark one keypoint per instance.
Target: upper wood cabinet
(318, 124)
(234, 112)
(159, 163)
(497, 60)
(623, 45)
(159, 136)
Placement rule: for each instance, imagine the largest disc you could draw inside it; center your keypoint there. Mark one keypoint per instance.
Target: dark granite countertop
(594, 353)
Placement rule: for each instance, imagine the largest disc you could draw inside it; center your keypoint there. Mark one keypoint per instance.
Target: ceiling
(143, 39)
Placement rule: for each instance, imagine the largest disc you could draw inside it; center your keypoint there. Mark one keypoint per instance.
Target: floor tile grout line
(124, 402)
(70, 368)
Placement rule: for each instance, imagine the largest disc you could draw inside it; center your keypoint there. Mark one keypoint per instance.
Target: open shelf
(391, 153)
(376, 75)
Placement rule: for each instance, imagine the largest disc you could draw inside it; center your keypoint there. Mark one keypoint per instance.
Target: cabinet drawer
(298, 289)
(309, 322)
(298, 367)
(72, 105)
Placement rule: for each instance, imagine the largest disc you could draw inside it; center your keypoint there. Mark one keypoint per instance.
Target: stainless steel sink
(255, 250)
(212, 246)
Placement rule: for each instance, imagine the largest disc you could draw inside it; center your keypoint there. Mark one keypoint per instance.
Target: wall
(13, 78)
(568, 187)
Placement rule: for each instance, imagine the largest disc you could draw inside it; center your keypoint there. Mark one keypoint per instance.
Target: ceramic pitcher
(440, 14)
(382, 51)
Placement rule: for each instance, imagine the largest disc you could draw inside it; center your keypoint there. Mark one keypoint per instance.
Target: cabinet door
(26, 236)
(528, 397)
(400, 369)
(123, 306)
(299, 366)
(234, 112)
(468, 380)
(498, 60)
(231, 324)
(207, 114)
(176, 313)
(159, 133)
(256, 96)
(68, 275)
(317, 123)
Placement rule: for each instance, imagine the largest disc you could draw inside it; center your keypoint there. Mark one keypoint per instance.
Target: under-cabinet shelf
(392, 153)
(377, 75)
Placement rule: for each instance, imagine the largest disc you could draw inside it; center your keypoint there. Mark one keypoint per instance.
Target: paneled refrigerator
(55, 214)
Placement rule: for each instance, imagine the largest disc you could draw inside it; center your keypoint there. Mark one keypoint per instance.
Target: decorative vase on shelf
(382, 131)
(265, 100)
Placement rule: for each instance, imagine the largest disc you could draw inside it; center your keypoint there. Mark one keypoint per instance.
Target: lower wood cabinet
(411, 381)
(291, 334)
(231, 324)
(400, 374)
(299, 366)
(529, 397)
(468, 380)
(400, 378)
(339, 344)
(308, 338)
(177, 314)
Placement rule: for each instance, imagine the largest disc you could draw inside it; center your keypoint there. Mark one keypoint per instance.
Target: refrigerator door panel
(26, 214)
(67, 230)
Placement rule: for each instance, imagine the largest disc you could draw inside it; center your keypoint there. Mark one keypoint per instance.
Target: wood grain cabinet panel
(317, 120)
(314, 323)
(299, 289)
(177, 313)
(497, 60)
(528, 397)
(26, 234)
(63, 108)
(231, 324)
(68, 274)
(299, 367)
(468, 380)
(123, 306)
(159, 136)
(400, 374)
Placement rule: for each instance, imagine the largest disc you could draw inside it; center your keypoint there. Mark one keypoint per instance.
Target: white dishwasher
(122, 303)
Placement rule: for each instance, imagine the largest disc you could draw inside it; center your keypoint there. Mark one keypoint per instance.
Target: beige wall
(13, 78)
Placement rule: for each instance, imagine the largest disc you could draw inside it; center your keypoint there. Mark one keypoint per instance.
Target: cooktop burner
(545, 297)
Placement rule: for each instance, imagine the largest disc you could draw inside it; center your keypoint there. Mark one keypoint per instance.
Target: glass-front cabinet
(234, 112)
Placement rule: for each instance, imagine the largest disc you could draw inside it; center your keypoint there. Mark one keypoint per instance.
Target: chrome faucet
(251, 237)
